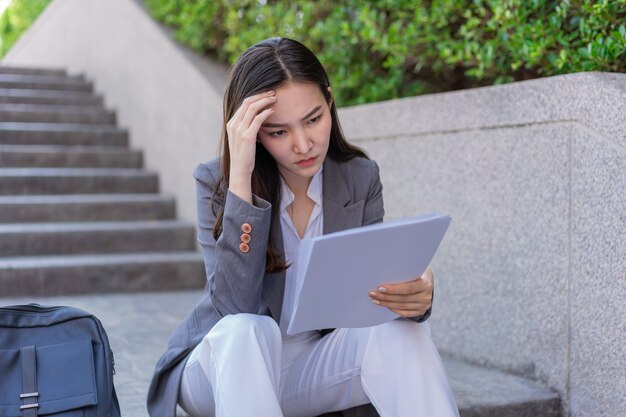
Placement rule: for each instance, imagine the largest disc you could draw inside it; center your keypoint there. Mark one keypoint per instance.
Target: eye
(275, 134)
(315, 119)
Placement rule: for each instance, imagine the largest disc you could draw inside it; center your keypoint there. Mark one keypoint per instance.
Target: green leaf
(394, 48)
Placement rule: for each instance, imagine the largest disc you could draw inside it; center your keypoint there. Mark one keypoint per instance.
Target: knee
(399, 325)
(245, 326)
(401, 330)
(389, 331)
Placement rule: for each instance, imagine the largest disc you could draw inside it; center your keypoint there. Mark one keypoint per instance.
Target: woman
(286, 173)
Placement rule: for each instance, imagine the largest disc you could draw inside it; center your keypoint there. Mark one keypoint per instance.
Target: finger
(243, 107)
(257, 108)
(408, 313)
(248, 133)
(422, 297)
(259, 119)
(400, 288)
(401, 306)
(254, 109)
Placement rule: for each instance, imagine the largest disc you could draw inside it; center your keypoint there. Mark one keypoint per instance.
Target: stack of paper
(336, 271)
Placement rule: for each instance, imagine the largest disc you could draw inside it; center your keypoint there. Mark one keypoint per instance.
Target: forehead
(294, 100)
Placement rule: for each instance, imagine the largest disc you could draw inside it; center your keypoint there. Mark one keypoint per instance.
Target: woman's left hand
(408, 299)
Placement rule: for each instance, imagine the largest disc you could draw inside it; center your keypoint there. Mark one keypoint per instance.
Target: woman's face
(297, 134)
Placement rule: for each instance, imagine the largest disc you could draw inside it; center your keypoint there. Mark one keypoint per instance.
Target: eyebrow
(309, 114)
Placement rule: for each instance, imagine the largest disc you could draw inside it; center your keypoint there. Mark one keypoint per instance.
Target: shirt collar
(314, 192)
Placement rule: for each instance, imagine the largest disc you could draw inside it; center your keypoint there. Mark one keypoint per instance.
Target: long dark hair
(265, 66)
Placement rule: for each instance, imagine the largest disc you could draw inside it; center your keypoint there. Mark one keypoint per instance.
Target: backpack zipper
(30, 308)
(112, 360)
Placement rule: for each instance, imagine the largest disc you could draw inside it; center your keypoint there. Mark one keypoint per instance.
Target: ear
(330, 100)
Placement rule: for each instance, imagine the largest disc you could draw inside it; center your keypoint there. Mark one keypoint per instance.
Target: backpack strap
(29, 394)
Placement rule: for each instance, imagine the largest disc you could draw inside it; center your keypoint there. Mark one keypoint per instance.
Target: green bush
(16, 19)
(377, 50)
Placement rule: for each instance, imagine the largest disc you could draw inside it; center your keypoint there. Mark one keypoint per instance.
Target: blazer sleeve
(234, 277)
(374, 212)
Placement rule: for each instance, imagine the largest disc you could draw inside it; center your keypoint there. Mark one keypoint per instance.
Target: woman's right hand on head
(243, 129)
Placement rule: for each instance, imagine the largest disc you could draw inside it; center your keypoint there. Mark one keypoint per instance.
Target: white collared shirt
(291, 239)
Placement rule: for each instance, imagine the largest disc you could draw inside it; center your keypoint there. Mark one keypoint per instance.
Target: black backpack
(55, 361)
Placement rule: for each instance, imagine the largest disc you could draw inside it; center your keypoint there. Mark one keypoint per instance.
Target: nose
(301, 142)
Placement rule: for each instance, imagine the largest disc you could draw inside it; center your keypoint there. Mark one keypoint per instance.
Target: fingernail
(382, 289)
(375, 301)
(372, 294)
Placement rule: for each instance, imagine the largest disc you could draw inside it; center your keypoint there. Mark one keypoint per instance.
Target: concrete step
(482, 392)
(69, 156)
(25, 181)
(61, 134)
(9, 69)
(35, 239)
(26, 96)
(84, 274)
(48, 113)
(139, 326)
(86, 208)
(45, 82)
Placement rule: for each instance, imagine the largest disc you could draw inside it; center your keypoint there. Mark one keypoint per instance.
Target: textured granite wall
(531, 277)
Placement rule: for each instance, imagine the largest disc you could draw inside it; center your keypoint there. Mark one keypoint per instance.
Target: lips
(306, 162)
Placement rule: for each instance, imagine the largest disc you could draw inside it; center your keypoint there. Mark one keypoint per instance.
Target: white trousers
(244, 367)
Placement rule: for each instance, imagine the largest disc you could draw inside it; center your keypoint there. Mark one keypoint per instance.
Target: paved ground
(139, 326)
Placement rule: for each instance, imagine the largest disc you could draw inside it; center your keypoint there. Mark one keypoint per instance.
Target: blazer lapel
(340, 213)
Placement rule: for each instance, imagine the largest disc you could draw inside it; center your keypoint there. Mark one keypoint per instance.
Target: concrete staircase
(78, 213)
(80, 217)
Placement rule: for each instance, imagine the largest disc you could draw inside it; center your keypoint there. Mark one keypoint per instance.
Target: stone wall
(531, 277)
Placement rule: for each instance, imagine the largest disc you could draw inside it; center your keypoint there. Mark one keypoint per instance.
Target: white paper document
(336, 271)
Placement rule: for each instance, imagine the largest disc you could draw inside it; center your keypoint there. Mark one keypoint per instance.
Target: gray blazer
(352, 197)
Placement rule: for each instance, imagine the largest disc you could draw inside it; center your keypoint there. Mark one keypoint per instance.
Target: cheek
(325, 130)
(276, 148)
